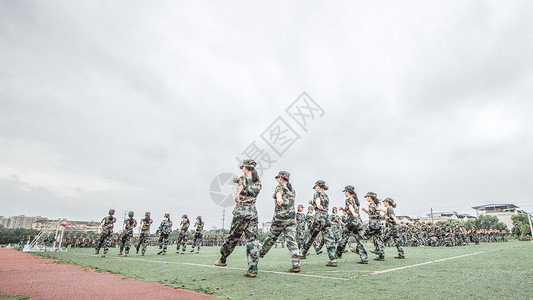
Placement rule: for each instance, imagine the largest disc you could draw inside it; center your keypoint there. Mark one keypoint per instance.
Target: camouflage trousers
(245, 222)
(337, 233)
(374, 231)
(125, 240)
(143, 241)
(319, 244)
(104, 240)
(391, 233)
(353, 227)
(182, 241)
(321, 224)
(289, 231)
(163, 242)
(197, 240)
(300, 235)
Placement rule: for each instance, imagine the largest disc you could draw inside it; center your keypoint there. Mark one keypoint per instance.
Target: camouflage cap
(111, 211)
(199, 217)
(147, 213)
(371, 194)
(321, 184)
(389, 200)
(249, 163)
(310, 208)
(350, 189)
(185, 216)
(167, 215)
(283, 174)
(300, 205)
(130, 213)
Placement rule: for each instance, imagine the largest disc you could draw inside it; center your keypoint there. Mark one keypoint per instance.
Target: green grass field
(486, 271)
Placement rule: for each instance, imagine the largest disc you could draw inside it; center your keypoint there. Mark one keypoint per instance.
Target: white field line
(415, 265)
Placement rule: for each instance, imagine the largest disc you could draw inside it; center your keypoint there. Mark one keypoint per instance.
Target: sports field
(486, 271)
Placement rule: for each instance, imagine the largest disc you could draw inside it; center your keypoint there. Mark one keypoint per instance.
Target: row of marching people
(245, 221)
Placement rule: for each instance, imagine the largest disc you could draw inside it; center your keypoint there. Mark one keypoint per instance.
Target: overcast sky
(139, 106)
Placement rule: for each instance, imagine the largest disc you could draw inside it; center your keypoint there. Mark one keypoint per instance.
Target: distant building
(82, 226)
(72, 226)
(445, 216)
(503, 212)
(3, 221)
(19, 222)
(406, 219)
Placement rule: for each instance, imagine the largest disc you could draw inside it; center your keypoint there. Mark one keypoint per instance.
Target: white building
(445, 216)
(503, 212)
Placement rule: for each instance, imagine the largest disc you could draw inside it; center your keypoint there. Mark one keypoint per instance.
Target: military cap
(111, 211)
(371, 194)
(167, 215)
(391, 202)
(321, 183)
(147, 213)
(283, 174)
(350, 189)
(299, 205)
(130, 213)
(310, 208)
(249, 163)
(184, 216)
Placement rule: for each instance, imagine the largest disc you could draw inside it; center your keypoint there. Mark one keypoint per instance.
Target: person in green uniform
(374, 225)
(354, 226)
(245, 219)
(284, 220)
(321, 223)
(164, 230)
(391, 226)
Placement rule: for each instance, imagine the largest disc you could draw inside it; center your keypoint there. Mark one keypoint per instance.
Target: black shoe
(160, 251)
(373, 251)
(319, 252)
(303, 256)
(295, 269)
(400, 257)
(363, 262)
(379, 258)
(331, 264)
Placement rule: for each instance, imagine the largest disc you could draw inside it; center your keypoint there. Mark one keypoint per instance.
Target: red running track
(23, 273)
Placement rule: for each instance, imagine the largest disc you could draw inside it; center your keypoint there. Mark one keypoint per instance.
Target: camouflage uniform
(164, 230)
(300, 229)
(354, 225)
(107, 232)
(284, 222)
(145, 233)
(336, 227)
(245, 221)
(391, 231)
(321, 223)
(309, 218)
(198, 227)
(182, 237)
(374, 229)
(127, 234)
